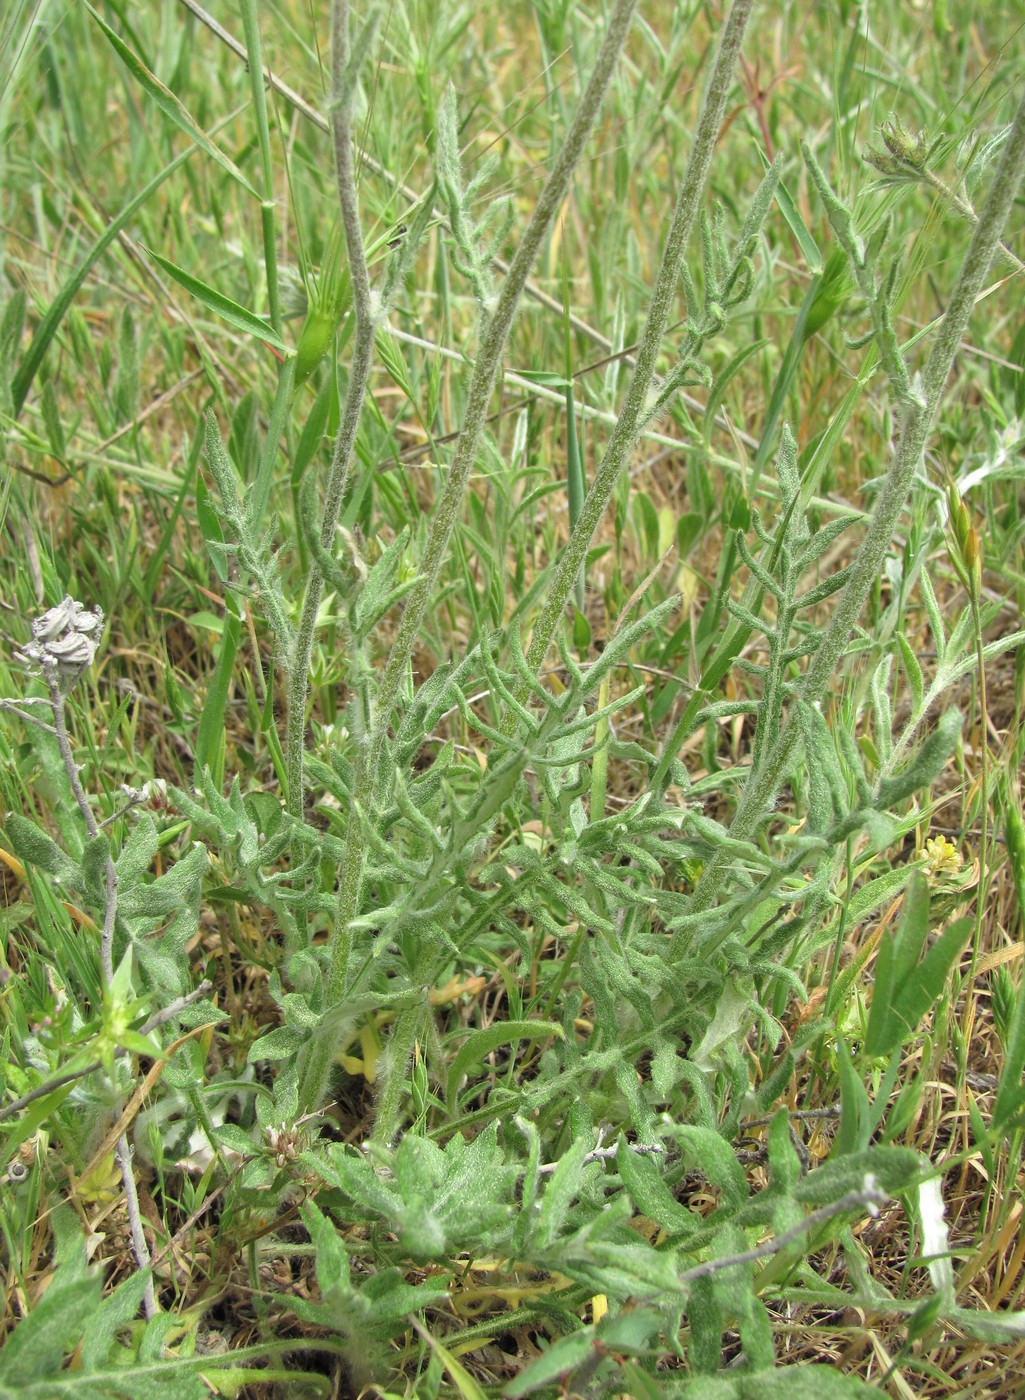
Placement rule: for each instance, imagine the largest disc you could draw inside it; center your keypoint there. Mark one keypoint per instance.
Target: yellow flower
(942, 857)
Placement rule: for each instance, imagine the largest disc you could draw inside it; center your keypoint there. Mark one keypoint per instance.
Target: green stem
(482, 383)
(917, 420)
(342, 102)
(627, 430)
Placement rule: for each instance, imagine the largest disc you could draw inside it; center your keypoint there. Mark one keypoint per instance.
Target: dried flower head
(64, 641)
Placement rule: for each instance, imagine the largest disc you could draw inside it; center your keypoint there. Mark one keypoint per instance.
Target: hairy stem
(140, 1247)
(342, 102)
(489, 359)
(60, 729)
(870, 1198)
(633, 416)
(916, 424)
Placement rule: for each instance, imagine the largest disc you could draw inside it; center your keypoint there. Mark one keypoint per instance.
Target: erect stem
(489, 357)
(343, 86)
(318, 1064)
(916, 424)
(626, 432)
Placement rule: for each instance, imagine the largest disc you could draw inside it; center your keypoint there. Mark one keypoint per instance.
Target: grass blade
(47, 328)
(169, 104)
(210, 735)
(221, 305)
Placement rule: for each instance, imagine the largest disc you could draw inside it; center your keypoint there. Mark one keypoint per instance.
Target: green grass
(568, 979)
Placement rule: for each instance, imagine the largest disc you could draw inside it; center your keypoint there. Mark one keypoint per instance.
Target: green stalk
(317, 1068)
(917, 420)
(255, 65)
(633, 417)
(343, 93)
(489, 358)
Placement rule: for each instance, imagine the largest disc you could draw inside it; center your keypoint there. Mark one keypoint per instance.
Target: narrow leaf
(461, 1378)
(169, 104)
(47, 328)
(912, 668)
(924, 989)
(210, 737)
(562, 1356)
(221, 305)
(895, 966)
(799, 229)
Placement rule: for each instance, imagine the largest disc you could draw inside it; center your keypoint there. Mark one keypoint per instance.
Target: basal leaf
(37, 1346)
(480, 1043)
